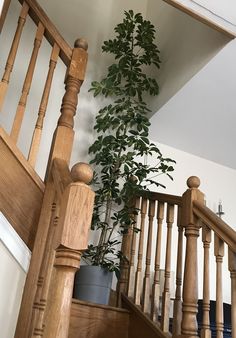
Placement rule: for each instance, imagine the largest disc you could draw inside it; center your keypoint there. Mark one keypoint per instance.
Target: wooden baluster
(177, 314)
(219, 254)
(61, 148)
(12, 54)
(64, 135)
(133, 249)
(166, 292)
(27, 84)
(138, 277)
(189, 325)
(36, 329)
(146, 281)
(206, 239)
(232, 269)
(156, 282)
(71, 239)
(43, 107)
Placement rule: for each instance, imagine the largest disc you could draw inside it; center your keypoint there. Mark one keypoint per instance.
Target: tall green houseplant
(122, 142)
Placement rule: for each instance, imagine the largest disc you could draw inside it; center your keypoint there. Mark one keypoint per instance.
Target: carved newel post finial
(193, 182)
(82, 172)
(81, 43)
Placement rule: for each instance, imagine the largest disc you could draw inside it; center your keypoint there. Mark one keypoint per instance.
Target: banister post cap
(81, 43)
(82, 172)
(193, 182)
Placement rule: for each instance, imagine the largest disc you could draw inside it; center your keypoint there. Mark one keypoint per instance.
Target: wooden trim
(201, 18)
(171, 199)
(37, 14)
(222, 229)
(132, 308)
(3, 14)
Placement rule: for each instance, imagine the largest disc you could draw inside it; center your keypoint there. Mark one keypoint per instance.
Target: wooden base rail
(67, 237)
(173, 216)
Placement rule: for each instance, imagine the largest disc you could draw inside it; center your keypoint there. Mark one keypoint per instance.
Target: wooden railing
(75, 60)
(141, 278)
(67, 203)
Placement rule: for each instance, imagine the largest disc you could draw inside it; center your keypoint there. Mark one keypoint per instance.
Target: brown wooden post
(177, 314)
(232, 269)
(206, 239)
(64, 134)
(219, 254)
(189, 327)
(71, 239)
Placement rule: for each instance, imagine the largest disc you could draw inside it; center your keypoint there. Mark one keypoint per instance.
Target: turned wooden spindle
(155, 301)
(146, 281)
(64, 135)
(131, 280)
(27, 84)
(44, 278)
(232, 269)
(166, 291)
(177, 313)
(70, 240)
(12, 54)
(206, 239)
(35, 143)
(219, 254)
(189, 325)
(138, 276)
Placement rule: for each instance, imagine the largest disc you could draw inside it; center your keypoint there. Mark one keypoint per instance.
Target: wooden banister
(70, 240)
(166, 198)
(222, 229)
(37, 14)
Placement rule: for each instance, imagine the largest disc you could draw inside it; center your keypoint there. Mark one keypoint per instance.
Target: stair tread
(100, 306)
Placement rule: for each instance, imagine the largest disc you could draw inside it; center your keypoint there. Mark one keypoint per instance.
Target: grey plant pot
(93, 284)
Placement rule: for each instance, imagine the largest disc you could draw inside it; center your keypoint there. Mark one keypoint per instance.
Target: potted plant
(122, 142)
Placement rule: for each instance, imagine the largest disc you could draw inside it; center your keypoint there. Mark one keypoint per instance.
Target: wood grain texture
(222, 229)
(190, 285)
(12, 54)
(97, 321)
(20, 111)
(35, 143)
(51, 33)
(206, 239)
(140, 325)
(232, 269)
(155, 300)
(16, 177)
(177, 314)
(3, 13)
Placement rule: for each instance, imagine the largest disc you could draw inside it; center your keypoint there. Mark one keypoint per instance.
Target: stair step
(90, 320)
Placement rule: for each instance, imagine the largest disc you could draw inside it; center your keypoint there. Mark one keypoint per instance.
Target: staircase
(53, 219)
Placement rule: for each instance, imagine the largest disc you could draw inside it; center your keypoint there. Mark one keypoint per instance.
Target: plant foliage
(122, 136)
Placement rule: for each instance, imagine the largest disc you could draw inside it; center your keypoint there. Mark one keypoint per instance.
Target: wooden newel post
(71, 239)
(64, 134)
(189, 327)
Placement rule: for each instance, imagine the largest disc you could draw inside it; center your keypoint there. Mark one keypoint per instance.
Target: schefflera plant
(122, 137)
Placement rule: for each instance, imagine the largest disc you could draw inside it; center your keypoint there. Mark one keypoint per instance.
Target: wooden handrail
(222, 229)
(156, 196)
(37, 14)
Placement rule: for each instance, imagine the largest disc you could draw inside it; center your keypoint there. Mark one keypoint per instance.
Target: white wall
(221, 12)
(186, 46)
(1, 4)
(15, 258)
(217, 183)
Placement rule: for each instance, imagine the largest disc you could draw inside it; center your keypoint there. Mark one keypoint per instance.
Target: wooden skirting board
(98, 321)
(21, 190)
